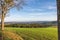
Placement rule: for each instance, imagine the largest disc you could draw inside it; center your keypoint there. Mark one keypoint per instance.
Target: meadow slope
(35, 33)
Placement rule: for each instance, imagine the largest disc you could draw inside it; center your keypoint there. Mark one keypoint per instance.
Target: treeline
(29, 25)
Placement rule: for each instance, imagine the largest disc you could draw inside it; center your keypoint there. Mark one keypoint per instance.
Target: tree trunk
(58, 19)
(2, 21)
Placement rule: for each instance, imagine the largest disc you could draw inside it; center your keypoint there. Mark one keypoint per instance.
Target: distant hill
(31, 22)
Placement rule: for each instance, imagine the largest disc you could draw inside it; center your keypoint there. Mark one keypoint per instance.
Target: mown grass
(36, 33)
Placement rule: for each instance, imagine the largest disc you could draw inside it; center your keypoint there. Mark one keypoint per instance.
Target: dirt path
(12, 35)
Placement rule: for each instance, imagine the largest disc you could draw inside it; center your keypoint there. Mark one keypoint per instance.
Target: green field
(35, 33)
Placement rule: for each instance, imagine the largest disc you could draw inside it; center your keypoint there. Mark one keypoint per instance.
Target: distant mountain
(30, 22)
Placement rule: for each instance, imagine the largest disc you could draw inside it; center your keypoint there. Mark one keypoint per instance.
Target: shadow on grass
(7, 35)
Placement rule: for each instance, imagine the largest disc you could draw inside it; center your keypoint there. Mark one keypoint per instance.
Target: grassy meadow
(32, 33)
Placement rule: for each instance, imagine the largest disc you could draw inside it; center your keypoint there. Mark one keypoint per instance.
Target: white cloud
(52, 7)
(43, 14)
(41, 18)
(32, 10)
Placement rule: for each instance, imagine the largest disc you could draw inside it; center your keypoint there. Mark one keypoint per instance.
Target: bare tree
(6, 5)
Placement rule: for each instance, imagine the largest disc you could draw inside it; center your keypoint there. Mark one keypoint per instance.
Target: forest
(31, 24)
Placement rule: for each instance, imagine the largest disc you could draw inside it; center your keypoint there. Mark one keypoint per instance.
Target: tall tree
(6, 5)
(58, 18)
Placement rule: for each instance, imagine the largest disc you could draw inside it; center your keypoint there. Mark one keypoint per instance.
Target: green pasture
(35, 33)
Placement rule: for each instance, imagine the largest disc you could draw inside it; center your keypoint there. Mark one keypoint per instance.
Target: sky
(34, 10)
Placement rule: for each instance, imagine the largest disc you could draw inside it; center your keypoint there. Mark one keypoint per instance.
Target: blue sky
(34, 10)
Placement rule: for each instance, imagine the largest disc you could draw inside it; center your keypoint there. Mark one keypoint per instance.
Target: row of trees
(28, 25)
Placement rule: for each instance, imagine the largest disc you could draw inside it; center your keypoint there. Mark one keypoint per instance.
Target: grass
(35, 33)
(11, 36)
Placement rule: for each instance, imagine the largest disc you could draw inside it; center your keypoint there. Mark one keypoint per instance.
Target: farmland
(35, 33)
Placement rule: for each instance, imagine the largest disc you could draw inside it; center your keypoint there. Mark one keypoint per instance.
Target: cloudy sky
(34, 10)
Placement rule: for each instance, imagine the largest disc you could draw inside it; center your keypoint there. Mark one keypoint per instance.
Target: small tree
(6, 5)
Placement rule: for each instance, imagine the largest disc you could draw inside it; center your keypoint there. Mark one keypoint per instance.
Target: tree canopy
(5, 5)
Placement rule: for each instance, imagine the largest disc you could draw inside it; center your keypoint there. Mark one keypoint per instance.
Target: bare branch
(8, 4)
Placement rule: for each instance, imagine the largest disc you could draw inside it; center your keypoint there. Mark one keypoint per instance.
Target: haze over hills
(30, 22)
